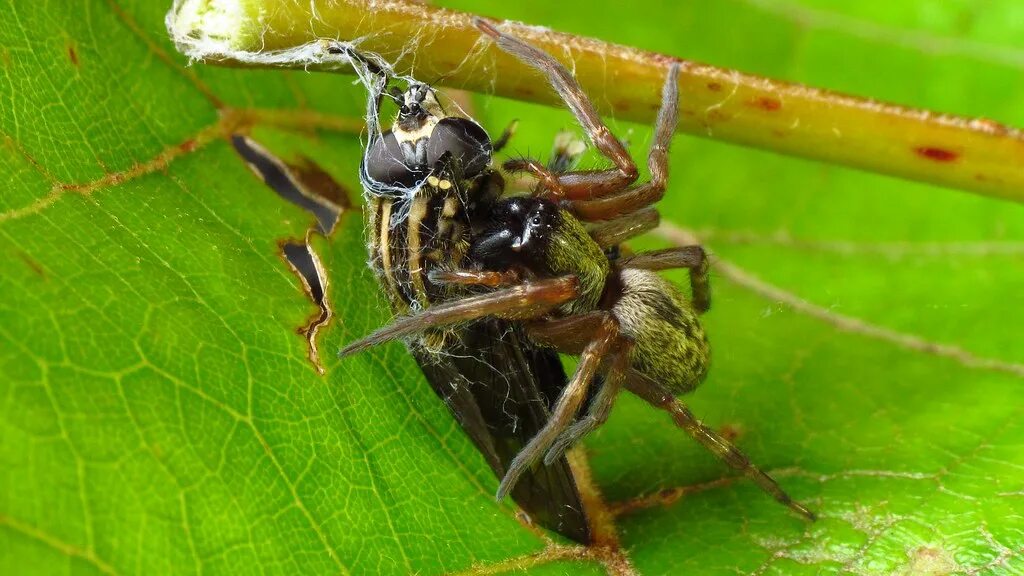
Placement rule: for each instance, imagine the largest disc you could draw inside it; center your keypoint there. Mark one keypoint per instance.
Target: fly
(429, 184)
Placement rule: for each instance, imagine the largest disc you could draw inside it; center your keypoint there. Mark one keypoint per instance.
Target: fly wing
(500, 387)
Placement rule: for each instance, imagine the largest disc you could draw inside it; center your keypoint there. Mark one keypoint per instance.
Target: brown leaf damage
(72, 54)
(305, 263)
(308, 186)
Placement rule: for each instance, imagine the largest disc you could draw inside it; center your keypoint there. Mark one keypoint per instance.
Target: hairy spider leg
(694, 257)
(637, 197)
(549, 184)
(603, 203)
(600, 406)
(582, 186)
(488, 278)
(594, 336)
(527, 300)
(594, 182)
(656, 395)
(615, 232)
(568, 404)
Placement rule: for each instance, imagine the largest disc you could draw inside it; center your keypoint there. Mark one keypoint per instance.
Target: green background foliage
(159, 413)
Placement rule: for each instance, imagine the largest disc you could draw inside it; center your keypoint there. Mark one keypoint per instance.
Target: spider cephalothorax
(536, 236)
(536, 239)
(546, 270)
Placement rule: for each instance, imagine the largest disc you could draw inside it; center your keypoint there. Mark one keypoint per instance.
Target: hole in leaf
(309, 187)
(306, 186)
(306, 264)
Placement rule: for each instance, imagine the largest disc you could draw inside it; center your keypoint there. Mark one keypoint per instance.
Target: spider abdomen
(669, 343)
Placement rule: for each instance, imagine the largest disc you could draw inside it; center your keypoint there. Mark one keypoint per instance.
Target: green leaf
(160, 413)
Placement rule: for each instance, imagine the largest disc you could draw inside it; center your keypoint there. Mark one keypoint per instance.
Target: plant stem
(978, 155)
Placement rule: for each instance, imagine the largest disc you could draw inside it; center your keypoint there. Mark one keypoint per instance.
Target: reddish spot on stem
(766, 103)
(936, 154)
(714, 86)
(716, 115)
(188, 145)
(526, 91)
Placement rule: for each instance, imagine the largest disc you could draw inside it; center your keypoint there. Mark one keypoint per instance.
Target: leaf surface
(160, 413)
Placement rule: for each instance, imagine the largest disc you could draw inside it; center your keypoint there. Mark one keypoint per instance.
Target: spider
(547, 271)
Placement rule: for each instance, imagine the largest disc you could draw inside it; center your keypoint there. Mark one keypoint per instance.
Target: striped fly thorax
(411, 236)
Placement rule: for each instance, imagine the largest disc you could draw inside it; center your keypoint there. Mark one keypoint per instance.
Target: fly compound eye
(385, 163)
(466, 142)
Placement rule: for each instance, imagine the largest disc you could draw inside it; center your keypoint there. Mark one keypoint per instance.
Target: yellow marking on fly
(451, 206)
(444, 184)
(448, 211)
(460, 250)
(443, 226)
(373, 226)
(385, 257)
(434, 340)
(458, 231)
(413, 135)
(417, 213)
(433, 181)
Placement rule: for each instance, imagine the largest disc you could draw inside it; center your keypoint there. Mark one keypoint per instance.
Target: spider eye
(535, 221)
